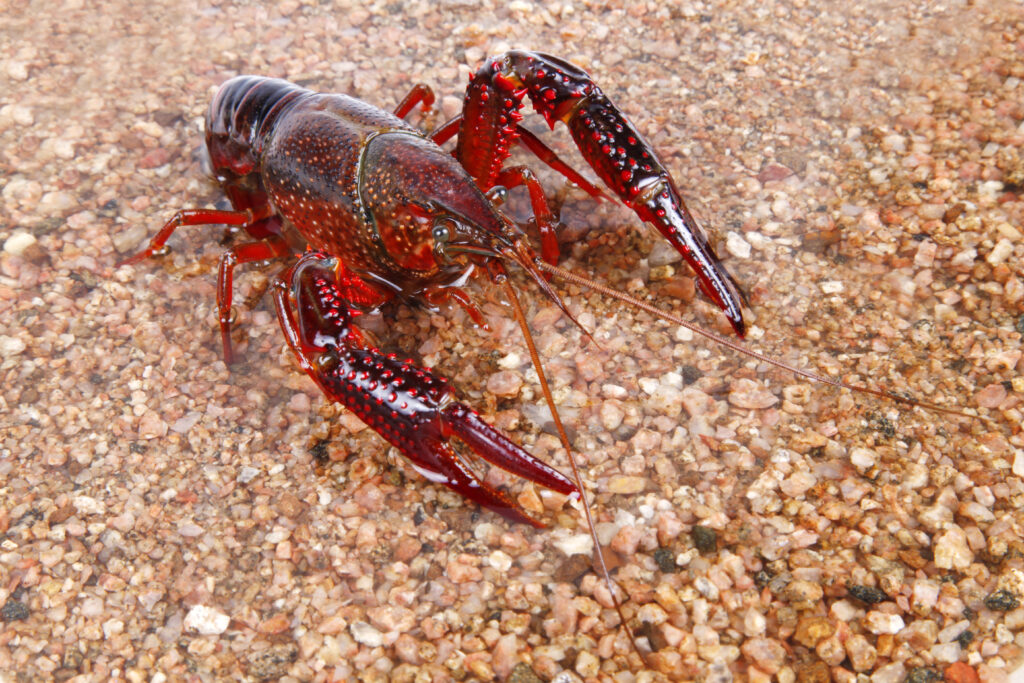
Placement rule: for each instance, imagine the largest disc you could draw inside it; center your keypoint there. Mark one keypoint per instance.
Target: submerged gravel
(165, 518)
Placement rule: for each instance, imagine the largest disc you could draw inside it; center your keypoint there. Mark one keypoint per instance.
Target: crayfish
(375, 210)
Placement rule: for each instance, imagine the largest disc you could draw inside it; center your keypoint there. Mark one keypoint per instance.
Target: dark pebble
(965, 638)
(705, 539)
(868, 594)
(14, 610)
(572, 569)
(923, 674)
(522, 673)
(274, 662)
(1002, 601)
(666, 560)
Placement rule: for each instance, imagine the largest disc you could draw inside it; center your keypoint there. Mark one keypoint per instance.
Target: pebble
(925, 595)
(863, 459)
(883, 622)
(737, 246)
(56, 203)
(587, 665)
(889, 673)
(11, 346)
(953, 631)
(626, 484)
(1000, 252)
(86, 505)
(769, 655)
(946, 652)
(952, 550)
(812, 630)
(751, 395)
(575, 544)
(389, 618)
(278, 623)
(919, 634)
(666, 400)
(754, 622)
(506, 383)
(992, 396)
(832, 287)
(798, 484)
(18, 242)
(803, 594)
(611, 414)
(366, 634)
(16, 70)
(862, 653)
(206, 621)
(16, 113)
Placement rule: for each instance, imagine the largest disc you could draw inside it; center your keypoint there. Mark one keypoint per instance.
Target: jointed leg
(273, 247)
(421, 92)
(196, 217)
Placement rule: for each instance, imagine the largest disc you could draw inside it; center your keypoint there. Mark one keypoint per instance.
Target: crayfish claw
(608, 141)
(411, 407)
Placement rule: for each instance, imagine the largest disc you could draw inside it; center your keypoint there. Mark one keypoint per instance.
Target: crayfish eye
(441, 233)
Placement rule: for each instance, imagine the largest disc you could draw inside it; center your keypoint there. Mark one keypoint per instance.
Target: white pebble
(951, 549)
(882, 622)
(736, 245)
(706, 588)
(613, 391)
(894, 143)
(863, 459)
(953, 631)
(1000, 252)
(831, 287)
(277, 535)
(648, 384)
(754, 623)
(206, 621)
(890, 673)
(925, 595)
(88, 506)
(14, 113)
(365, 634)
(16, 71)
(577, 544)
(877, 176)
(947, 652)
(54, 203)
(10, 346)
(510, 362)
(247, 474)
(500, 560)
(18, 242)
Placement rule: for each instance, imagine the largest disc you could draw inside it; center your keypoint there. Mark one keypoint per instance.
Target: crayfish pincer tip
(739, 326)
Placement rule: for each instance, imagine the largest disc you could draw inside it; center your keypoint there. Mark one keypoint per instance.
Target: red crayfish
(382, 212)
(387, 213)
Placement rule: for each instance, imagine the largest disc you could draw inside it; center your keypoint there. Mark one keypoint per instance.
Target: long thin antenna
(574, 278)
(564, 438)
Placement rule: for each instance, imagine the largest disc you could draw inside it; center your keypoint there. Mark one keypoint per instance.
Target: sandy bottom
(164, 517)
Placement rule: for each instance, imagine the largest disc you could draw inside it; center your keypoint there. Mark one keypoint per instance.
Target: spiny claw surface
(608, 141)
(411, 407)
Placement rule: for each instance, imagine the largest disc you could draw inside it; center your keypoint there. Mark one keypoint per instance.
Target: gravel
(164, 517)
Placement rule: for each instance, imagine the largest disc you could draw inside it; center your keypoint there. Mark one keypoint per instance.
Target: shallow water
(860, 170)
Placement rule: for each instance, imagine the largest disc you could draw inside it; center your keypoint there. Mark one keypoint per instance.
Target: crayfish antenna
(503, 280)
(575, 278)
